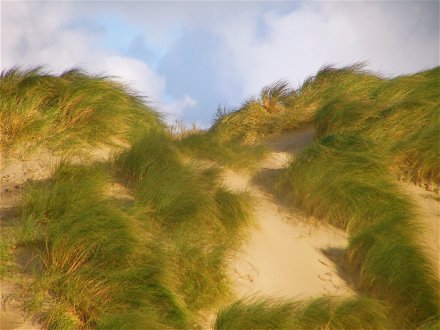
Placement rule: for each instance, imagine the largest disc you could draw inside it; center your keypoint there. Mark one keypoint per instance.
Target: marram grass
(369, 130)
(95, 260)
(199, 215)
(279, 108)
(156, 261)
(207, 145)
(71, 111)
(152, 263)
(344, 181)
(319, 313)
(402, 114)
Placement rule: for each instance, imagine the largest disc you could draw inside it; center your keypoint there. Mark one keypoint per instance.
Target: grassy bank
(280, 108)
(320, 313)
(151, 261)
(207, 145)
(141, 241)
(67, 112)
(344, 180)
(400, 114)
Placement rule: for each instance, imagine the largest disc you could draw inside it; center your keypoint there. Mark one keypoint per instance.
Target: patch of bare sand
(284, 257)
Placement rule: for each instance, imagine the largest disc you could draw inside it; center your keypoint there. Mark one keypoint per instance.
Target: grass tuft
(319, 313)
(344, 181)
(71, 111)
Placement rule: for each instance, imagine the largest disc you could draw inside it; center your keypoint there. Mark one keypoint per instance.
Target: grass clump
(318, 313)
(257, 117)
(153, 261)
(402, 114)
(72, 110)
(198, 215)
(344, 180)
(207, 145)
(97, 258)
(279, 108)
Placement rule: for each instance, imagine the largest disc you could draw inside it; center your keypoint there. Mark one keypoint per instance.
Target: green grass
(344, 181)
(280, 109)
(369, 131)
(158, 259)
(207, 145)
(152, 262)
(402, 114)
(195, 210)
(71, 111)
(319, 313)
(97, 258)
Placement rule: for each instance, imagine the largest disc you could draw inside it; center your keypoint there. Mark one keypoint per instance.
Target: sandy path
(284, 256)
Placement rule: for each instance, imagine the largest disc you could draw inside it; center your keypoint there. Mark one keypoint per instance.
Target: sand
(284, 256)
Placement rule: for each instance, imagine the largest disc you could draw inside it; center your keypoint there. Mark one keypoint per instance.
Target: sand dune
(284, 256)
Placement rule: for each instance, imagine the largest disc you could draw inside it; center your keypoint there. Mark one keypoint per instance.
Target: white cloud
(392, 37)
(39, 34)
(132, 72)
(175, 109)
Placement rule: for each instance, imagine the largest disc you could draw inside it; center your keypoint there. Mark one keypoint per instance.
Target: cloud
(394, 38)
(58, 42)
(132, 72)
(175, 109)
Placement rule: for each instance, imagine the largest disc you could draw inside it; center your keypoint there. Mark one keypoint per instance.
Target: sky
(189, 57)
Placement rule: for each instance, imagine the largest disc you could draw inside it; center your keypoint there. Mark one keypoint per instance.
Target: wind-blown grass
(209, 146)
(199, 214)
(387, 126)
(155, 261)
(72, 110)
(319, 313)
(258, 117)
(279, 108)
(344, 180)
(402, 114)
(152, 263)
(97, 258)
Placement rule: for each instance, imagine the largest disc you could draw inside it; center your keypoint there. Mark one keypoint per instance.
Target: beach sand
(284, 255)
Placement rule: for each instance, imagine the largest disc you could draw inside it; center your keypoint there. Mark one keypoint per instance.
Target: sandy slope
(285, 256)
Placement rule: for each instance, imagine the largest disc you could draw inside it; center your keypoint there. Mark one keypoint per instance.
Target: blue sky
(189, 57)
